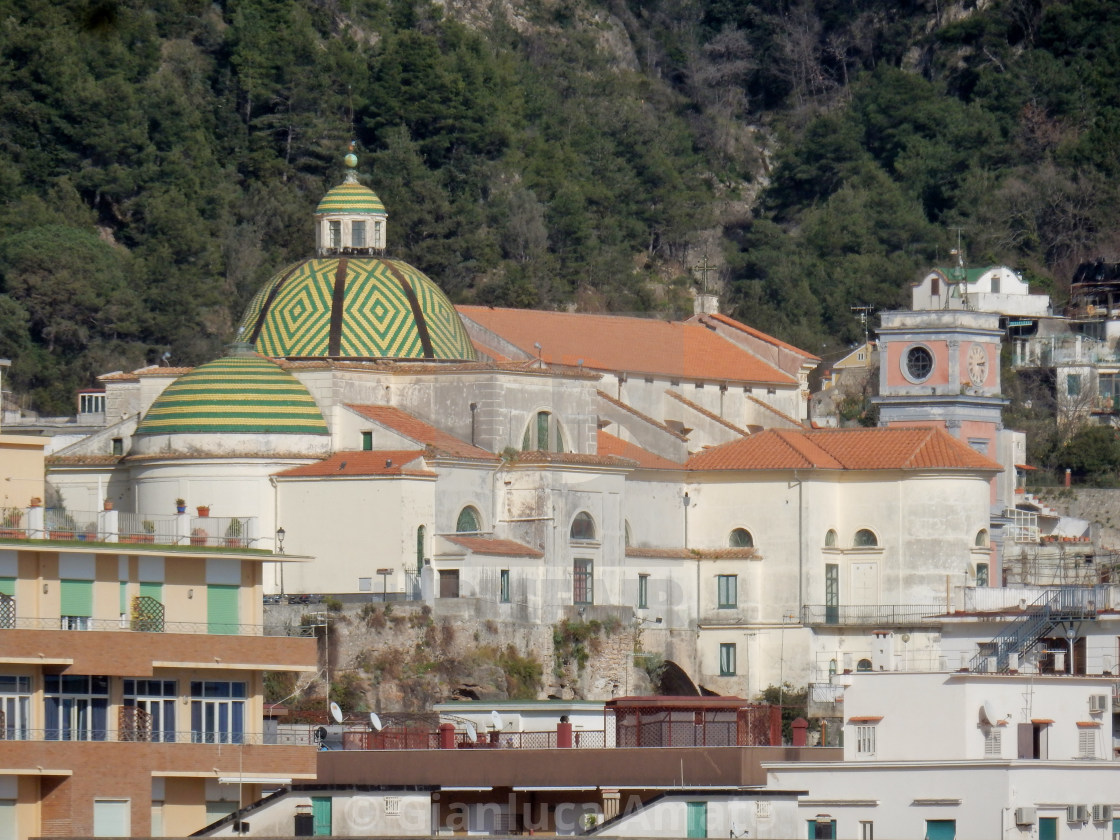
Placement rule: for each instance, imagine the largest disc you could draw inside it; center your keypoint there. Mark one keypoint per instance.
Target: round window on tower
(917, 364)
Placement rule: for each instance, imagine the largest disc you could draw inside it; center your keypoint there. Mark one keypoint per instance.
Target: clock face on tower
(977, 364)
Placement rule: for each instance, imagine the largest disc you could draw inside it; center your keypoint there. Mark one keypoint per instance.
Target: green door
(1047, 828)
(321, 815)
(221, 609)
(697, 819)
(822, 829)
(941, 829)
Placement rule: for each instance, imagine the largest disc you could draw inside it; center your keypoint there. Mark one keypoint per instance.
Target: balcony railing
(111, 526)
(131, 735)
(79, 624)
(870, 615)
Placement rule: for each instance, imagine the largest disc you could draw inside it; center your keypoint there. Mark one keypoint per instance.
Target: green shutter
(321, 815)
(152, 590)
(941, 829)
(124, 597)
(697, 819)
(8, 587)
(77, 598)
(221, 609)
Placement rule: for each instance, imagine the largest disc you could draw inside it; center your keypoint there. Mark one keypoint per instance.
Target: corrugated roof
(423, 433)
(402, 462)
(502, 548)
(608, 444)
(618, 343)
(893, 448)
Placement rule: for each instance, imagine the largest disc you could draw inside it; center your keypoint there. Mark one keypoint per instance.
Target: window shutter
(222, 614)
(77, 598)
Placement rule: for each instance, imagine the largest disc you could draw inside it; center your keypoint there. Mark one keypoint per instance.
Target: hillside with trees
(159, 162)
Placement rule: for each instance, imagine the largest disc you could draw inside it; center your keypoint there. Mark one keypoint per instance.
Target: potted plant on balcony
(10, 519)
(234, 534)
(149, 535)
(180, 505)
(199, 536)
(63, 529)
(203, 511)
(107, 504)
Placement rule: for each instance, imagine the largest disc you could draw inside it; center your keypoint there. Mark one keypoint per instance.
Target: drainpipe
(800, 545)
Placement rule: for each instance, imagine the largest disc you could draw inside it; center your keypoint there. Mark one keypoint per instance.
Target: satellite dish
(497, 719)
(336, 712)
(375, 721)
(987, 714)
(472, 733)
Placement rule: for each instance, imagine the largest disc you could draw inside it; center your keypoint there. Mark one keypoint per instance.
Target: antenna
(497, 720)
(336, 712)
(863, 312)
(375, 722)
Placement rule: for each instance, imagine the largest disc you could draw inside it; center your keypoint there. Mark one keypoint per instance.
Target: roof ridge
(699, 409)
(789, 418)
(757, 333)
(801, 435)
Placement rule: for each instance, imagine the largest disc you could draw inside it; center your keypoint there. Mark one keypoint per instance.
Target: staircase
(1043, 508)
(1053, 607)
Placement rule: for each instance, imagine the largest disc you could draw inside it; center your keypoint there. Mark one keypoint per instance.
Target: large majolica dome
(350, 301)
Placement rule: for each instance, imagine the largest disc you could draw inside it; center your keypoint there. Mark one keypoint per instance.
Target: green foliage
(349, 691)
(1092, 454)
(279, 685)
(794, 704)
(573, 642)
(333, 604)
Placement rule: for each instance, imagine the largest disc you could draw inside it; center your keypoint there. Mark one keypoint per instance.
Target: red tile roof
(635, 345)
(893, 448)
(769, 339)
(423, 433)
(608, 444)
(503, 548)
(382, 462)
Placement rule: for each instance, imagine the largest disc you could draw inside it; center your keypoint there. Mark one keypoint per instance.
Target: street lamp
(280, 533)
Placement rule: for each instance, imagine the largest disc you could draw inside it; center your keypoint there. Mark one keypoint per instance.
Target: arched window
(830, 539)
(982, 538)
(863, 665)
(583, 527)
(741, 538)
(420, 532)
(543, 433)
(468, 521)
(865, 538)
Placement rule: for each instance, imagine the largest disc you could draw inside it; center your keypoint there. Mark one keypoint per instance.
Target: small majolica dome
(349, 301)
(241, 393)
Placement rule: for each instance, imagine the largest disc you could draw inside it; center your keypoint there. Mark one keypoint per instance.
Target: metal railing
(1049, 609)
(871, 615)
(132, 528)
(80, 624)
(131, 735)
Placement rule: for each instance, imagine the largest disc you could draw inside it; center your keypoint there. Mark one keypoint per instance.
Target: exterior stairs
(1043, 508)
(1052, 608)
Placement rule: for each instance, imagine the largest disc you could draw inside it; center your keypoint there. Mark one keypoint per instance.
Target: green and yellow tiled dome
(240, 393)
(355, 308)
(350, 197)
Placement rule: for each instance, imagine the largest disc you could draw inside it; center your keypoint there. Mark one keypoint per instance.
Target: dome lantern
(350, 220)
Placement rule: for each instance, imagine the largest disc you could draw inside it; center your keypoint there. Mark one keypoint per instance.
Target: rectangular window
(727, 659)
(148, 712)
(832, 593)
(335, 234)
(377, 243)
(865, 740)
(449, 583)
(1087, 742)
(981, 574)
(822, 829)
(643, 592)
(503, 595)
(993, 744)
(995, 284)
(1073, 385)
(358, 234)
(76, 604)
(15, 705)
(727, 587)
(866, 830)
(118, 446)
(217, 712)
(367, 441)
(76, 708)
(583, 591)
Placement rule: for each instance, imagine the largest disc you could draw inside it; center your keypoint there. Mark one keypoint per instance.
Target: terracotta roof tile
(892, 448)
(503, 548)
(645, 418)
(608, 444)
(378, 462)
(618, 343)
(703, 411)
(572, 458)
(82, 460)
(769, 339)
(423, 433)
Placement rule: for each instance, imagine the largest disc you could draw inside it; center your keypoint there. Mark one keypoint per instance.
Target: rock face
(1100, 507)
(404, 659)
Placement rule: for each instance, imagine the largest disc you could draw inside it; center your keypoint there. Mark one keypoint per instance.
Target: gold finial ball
(351, 160)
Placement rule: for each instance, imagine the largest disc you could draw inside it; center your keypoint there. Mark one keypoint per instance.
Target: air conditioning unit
(1102, 813)
(1025, 816)
(1098, 702)
(1081, 813)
